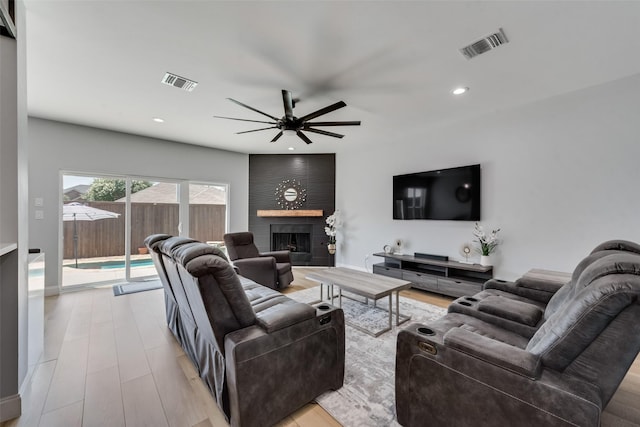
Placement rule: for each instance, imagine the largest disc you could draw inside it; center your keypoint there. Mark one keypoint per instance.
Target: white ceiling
(100, 63)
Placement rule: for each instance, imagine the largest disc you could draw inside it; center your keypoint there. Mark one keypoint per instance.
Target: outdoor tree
(109, 190)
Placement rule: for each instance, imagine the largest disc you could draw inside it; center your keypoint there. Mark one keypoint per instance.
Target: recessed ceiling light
(290, 148)
(158, 120)
(460, 90)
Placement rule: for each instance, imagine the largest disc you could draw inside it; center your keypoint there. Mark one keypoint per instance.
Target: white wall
(56, 147)
(558, 177)
(15, 305)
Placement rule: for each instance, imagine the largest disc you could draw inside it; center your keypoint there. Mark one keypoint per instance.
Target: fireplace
(295, 238)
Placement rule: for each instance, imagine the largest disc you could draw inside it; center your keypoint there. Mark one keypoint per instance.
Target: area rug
(367, 397)
(131, 288)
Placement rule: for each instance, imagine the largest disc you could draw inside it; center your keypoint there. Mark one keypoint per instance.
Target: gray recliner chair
(463, 371)
(272, 269)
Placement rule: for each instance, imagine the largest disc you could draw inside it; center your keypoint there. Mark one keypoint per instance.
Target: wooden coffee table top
(374, 286)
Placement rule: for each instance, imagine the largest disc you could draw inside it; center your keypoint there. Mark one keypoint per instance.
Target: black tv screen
(445, 194)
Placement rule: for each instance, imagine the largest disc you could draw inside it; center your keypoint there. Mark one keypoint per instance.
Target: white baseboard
(353, 267)
(51, 290)
(10, 407)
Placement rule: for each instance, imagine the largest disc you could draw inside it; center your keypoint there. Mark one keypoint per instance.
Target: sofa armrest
(517, 289)
(495, 352)
(260, 270)
(510, 309)
(283, 313)
(538, 284)
(280, 256)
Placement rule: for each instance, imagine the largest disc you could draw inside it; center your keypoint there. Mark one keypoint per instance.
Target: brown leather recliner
(261, 354)
(272, 269)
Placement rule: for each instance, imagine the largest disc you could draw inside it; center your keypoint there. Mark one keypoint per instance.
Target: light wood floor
(112, 362)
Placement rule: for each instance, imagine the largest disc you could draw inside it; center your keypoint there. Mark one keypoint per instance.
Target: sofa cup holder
(471, 299)
(425, 331)
(465, 303)
(323, 307)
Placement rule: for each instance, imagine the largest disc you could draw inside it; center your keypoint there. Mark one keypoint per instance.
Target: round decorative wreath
(290, 194)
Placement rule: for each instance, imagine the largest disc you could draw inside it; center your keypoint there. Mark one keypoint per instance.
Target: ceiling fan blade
(304, 137)
(253, 109)
(288, 104)
(277, 136)
(323, 111)
(323, 132)
(256, 130)
(243, 120)
(348, 123)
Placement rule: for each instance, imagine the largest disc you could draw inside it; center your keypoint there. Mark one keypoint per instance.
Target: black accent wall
(316, 173)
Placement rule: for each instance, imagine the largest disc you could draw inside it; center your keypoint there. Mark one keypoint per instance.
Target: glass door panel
(154, 209)
(208, 212)
(93, 224)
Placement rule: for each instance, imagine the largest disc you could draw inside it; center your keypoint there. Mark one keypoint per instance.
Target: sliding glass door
(106, 219)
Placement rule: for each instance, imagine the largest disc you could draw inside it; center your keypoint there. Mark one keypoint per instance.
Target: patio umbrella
(79, 212)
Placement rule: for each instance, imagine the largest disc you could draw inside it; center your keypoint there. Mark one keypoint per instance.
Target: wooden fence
(105, 237)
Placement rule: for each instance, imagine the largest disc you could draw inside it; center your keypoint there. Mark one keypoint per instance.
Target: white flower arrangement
(488, 243)
(331, 228)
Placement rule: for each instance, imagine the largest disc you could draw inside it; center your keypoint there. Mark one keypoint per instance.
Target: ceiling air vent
(485, 44)
(179, 82)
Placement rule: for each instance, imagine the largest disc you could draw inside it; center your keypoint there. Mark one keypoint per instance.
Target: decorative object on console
(398, 248)
(290, 194)
(487, 244)
(330, 230)
(465, 251)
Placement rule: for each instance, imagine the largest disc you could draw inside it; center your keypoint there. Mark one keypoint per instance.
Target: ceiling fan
(291, 123)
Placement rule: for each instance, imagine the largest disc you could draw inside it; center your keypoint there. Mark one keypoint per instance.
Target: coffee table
(368, 285)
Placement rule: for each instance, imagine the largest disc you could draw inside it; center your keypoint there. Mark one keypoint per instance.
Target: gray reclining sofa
(524, 305)
(261, 354)
(478, 367)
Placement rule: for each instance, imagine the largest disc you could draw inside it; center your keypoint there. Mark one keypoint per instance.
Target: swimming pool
(110, 265)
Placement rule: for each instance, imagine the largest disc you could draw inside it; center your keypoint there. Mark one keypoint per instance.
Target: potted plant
(330, 231)
(487, 244)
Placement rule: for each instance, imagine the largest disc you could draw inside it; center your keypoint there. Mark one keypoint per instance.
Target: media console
(450, 278)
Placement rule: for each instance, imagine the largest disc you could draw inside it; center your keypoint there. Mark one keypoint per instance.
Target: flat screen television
(445, 194)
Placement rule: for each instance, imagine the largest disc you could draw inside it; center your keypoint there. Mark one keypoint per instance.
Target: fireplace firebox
(296, 238)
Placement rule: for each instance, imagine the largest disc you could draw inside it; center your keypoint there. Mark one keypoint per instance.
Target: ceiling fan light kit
(292, 125)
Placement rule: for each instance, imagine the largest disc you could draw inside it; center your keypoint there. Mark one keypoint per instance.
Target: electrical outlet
(39, 214)
(38, 201)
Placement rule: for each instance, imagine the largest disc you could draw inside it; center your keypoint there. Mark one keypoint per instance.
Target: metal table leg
(390, 310)
(397, 307)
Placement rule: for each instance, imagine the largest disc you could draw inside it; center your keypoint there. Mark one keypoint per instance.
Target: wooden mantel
(292, 212)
